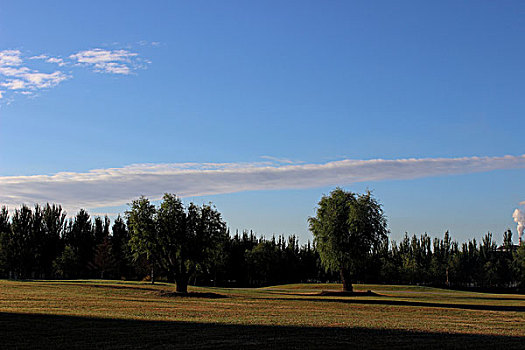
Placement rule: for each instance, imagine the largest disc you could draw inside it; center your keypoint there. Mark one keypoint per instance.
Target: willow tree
(347, 228)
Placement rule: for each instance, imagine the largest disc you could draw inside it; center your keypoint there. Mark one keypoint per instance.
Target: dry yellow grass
(124, 314)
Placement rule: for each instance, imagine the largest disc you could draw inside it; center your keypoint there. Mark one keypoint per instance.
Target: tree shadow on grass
(206, 295)
(349, 300)
(148, 288)
(329, 293)
(25, 331)
(492, 298)
(89, 284)
(466, 297)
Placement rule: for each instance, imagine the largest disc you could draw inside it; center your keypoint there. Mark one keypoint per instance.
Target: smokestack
(519, 218)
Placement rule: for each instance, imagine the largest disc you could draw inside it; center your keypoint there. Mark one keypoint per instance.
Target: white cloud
(14, 76)
(13, 71)
(33, 80)
(18, 76)
(281, 160)
(39, 57)
(48, 59)
(44, 80)
(108, 61)
(56, 60)
(116, 68)
(148, 43)
(118, 186)
(14, 84)
(10, 58)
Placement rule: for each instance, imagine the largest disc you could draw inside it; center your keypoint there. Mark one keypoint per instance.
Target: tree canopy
(176, 239)
(347, 228)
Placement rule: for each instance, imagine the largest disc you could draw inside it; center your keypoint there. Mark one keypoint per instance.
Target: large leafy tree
(202, 246)
(177, 239)
(144, 242)
(347, 228)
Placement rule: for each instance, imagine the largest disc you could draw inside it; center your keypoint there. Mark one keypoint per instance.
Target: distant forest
(42, 243)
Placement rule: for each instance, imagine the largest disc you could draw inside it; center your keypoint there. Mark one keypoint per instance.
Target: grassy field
(115, 314)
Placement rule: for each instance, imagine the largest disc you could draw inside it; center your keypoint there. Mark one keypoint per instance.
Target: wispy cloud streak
(108, 61)
(118, 186)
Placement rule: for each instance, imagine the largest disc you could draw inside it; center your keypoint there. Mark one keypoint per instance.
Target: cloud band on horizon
(118, 186)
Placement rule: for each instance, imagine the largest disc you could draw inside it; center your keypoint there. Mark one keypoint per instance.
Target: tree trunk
(182, 283)
(152, 275)
(347, 280)
(170, 275)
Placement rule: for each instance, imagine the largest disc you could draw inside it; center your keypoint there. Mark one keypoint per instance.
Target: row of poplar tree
(42, 243)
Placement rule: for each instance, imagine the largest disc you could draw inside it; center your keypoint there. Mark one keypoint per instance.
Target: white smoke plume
(519, 218)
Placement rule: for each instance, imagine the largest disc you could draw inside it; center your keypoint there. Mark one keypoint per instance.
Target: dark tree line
(41, 243)
(192, 242)
(443, 262)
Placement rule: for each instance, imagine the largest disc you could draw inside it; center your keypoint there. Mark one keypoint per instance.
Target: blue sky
(280, 96)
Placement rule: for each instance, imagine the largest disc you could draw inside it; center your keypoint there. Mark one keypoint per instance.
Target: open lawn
(116, 314)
